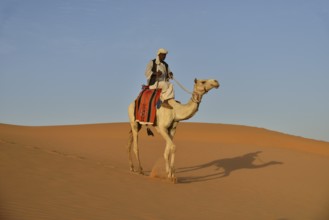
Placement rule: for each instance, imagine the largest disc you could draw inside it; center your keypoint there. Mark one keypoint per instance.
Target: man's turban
(162, 50)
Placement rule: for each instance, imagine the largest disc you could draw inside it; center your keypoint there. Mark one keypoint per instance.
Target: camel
(166, 123)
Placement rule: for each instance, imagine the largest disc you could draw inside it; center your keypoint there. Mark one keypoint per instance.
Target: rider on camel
(158, 74)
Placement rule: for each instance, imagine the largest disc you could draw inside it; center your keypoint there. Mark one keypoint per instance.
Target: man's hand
(158, 74)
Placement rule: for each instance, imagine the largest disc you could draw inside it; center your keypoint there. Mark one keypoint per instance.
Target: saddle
(146, 105)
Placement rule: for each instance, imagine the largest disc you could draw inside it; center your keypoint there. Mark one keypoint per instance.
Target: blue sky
(83, 61)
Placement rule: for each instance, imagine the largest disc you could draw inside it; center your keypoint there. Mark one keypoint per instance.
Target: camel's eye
(203, 82)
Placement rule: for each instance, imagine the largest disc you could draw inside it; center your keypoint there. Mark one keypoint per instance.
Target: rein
(196, 97)
(182, 87)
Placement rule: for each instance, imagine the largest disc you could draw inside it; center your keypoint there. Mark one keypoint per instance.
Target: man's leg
(167, 93)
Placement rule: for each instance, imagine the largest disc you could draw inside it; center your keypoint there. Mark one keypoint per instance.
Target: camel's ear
(195, 80)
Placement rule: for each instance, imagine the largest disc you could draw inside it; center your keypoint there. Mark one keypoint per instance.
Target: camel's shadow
(224, 167)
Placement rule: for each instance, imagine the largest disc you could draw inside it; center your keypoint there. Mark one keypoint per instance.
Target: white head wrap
(163, 51)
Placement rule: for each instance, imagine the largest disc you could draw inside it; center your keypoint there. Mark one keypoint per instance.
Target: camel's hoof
(136, 172)
(133, 170)
(173, 180)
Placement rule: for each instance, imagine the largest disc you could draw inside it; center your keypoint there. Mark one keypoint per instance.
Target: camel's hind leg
(130, 141)
(133, 140)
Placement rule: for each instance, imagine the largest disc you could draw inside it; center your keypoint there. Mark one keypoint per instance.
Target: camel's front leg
(169, 154)
(172, 131)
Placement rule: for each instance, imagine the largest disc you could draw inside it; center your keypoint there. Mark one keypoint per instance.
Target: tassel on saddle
(149, 132)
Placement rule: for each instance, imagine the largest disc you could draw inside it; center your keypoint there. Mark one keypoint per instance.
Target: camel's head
(202, 86)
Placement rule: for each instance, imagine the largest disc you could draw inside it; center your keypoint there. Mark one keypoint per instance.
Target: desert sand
(81, 172)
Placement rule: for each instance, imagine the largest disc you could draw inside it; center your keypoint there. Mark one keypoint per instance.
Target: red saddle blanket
(145, 105)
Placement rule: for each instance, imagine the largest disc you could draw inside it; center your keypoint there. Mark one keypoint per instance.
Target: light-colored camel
(166, 123)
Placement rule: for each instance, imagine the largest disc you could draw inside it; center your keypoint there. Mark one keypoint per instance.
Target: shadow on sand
(224, 167)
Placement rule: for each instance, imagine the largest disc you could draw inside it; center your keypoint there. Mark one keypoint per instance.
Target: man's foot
(165, 104)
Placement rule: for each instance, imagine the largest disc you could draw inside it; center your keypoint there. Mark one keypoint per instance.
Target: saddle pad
(145, 105)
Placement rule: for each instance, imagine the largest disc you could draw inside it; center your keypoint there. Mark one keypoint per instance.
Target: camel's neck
(186, 111)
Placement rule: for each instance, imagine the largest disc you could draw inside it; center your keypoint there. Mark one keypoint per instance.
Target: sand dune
(224, 172)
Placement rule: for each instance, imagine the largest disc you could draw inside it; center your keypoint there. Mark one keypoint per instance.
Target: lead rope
(180, 85)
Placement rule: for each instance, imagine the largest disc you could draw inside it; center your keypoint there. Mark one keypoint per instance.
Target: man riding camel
(158, 74)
